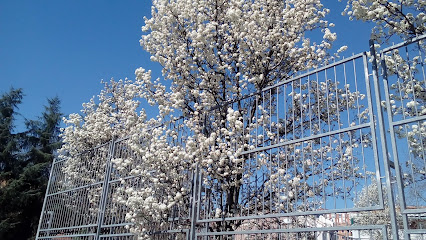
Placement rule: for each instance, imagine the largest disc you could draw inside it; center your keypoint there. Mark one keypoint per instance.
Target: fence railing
(320, 156)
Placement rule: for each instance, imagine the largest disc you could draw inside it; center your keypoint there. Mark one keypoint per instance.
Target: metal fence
(328, 158)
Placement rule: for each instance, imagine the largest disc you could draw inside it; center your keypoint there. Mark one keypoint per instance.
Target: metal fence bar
(403, 44)
(405, 121)
(69, 236)
(194, 204)
(73, 189)
(373, 129)
(294, 230)
(292, 214)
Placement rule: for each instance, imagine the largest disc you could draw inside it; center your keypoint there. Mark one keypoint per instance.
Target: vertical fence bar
(373, 131)
(193, 217)
(381, 126)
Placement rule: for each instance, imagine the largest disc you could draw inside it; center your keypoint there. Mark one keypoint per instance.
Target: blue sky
(64, 48)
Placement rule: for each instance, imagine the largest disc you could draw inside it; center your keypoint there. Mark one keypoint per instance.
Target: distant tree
(22, 192)
(369, 197)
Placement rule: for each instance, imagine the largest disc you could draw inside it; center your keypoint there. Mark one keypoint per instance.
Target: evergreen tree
(21, 197)
(8, 140)
(43, 134)
(9, 158)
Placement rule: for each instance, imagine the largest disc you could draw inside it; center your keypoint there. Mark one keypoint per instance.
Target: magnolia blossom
(214, 52)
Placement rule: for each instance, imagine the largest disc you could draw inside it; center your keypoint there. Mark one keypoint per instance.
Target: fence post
(194, 209)
(105, 188)
(386, 162)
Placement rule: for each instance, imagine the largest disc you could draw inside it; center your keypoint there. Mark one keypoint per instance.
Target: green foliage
(25, 161)
(9, 141)
(43, 134)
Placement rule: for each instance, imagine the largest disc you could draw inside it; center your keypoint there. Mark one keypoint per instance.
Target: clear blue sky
(65, 48)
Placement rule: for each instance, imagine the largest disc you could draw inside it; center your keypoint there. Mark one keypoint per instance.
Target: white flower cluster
(216, 50)
(416, 136)
(113, 114)
(405, 18)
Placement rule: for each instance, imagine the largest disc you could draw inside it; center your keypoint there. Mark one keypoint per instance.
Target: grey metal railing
(328, 158)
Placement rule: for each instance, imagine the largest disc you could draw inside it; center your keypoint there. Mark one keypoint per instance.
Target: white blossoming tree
(213, 53)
